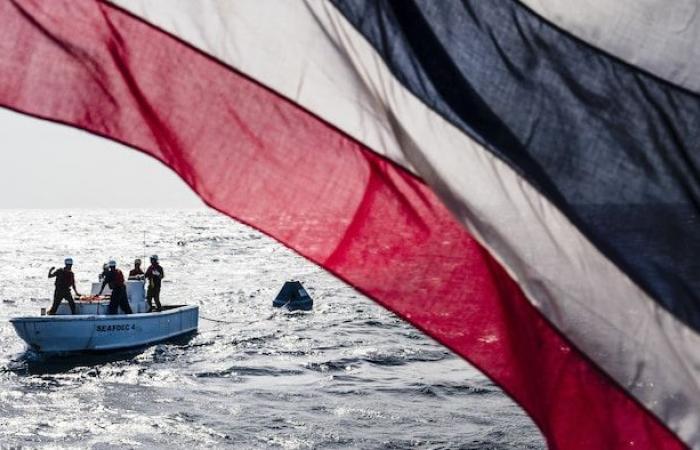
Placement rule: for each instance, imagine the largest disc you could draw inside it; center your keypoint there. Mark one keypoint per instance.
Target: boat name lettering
(121, 327)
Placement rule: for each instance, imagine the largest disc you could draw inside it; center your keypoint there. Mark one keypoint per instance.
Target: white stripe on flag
(309, 53)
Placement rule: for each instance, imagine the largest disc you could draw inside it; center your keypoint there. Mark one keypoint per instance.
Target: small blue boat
(293, 297)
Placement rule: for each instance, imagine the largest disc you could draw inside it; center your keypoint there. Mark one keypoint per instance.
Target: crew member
(115, 279)
(154, 275)
(64, 281)
(136, 272)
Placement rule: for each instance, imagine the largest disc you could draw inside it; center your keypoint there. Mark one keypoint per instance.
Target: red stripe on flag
(266, 162)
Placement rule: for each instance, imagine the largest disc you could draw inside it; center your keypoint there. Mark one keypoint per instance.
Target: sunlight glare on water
(347, 375)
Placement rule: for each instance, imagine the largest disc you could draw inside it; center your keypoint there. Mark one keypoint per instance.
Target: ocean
(349, 374)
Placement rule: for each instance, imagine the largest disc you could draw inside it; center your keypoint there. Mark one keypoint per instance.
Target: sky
(45, 165)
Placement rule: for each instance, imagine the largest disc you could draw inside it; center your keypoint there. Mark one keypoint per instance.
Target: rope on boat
(218, 320)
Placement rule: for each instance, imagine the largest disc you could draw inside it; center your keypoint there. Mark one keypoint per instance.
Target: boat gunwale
(102, 317)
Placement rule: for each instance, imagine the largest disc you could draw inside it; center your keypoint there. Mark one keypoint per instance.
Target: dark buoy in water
(294, 297)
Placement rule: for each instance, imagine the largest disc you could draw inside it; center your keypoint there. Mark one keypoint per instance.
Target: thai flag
(519, 180)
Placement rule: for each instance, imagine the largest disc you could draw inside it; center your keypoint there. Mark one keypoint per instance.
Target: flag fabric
(519, 180)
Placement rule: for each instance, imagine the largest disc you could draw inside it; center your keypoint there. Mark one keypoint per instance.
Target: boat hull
(79, 333)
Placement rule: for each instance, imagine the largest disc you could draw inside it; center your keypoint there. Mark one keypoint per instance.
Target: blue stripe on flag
(614, 148)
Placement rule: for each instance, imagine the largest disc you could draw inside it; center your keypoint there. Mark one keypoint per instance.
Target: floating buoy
(294, 297)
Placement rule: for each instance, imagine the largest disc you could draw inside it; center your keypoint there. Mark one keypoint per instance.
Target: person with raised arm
(65, 280)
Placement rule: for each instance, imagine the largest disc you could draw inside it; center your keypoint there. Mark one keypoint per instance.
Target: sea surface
(347, 375)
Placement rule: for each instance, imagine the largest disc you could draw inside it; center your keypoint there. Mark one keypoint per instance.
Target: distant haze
(45, 165)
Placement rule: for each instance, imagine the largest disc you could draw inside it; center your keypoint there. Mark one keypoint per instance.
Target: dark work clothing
(155, 274)
(119, 300)
(60, 295)
(153, 293)
(64, 279)
(114, 278)
(135, 272)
